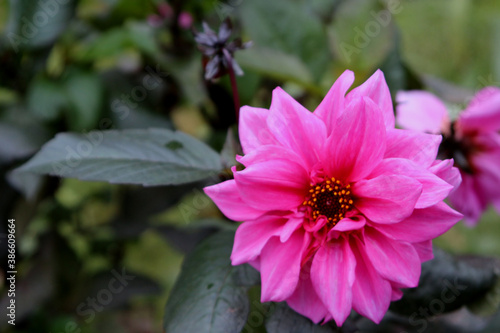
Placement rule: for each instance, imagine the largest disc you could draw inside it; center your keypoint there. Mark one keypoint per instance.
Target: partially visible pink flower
(472, 140)
(339, 207)
(185, 20)
(166, 13)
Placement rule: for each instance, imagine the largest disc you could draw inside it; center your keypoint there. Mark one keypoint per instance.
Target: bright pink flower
(339, 207)
(472, 140)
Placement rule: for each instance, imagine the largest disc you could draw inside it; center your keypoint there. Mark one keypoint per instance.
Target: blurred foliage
(100, 64)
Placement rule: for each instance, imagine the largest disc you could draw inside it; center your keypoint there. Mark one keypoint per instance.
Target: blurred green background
(69, 65)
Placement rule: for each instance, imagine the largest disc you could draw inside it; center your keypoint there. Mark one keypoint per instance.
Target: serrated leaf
(127, 157)
(284, 319)
(446, 284)
(210, 295)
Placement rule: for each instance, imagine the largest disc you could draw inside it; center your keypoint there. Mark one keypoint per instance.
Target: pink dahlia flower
(472, 140)
(339, 207)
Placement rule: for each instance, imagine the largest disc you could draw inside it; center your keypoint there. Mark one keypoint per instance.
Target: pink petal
(251, 237)
(467, 200)
(295, 127)
(483, 113)
(423, 224)
(228, 199)
(488, 174)
(334, 102)
(419, 147)
(273, 185)
(484, 95)
(280, 266)
(292, 224)
(332, 275)
(445, 170)
(377, 90)
(488, 141)
(306, 301)
(371, 294)
(350, 223)
(394, 260)
(396, 294)
(424, 250)
(253, 128)
(387, 198)
(270, 152)
(420, 111)
(358, 142)
(434, 189)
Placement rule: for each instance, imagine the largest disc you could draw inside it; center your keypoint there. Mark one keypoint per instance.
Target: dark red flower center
(330, 199)
(461, 150)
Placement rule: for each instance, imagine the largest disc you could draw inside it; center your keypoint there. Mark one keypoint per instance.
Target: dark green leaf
(397, 74)
(277, 65)
(37, 23)
(117, 41)
(284, 319)
(46, 99)
(300, 34)
(85, 94)
(174, 145)
(27, 184)
(210, 295)
(128, 157)
(129, 118)
(361, 34)
(446, 284)
(229, 150)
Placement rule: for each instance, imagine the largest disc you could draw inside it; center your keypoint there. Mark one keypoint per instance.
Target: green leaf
(37, 23)
(85, 95)
(361, 35)
(210, 295)
(45, 99)
(300, 34)
(115, 42)
(127, 157)
(277, 65)
(230, 149)
(107, 44)
(446, 284)
(284, 319)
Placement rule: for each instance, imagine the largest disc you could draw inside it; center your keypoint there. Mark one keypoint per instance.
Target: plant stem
(234, 85)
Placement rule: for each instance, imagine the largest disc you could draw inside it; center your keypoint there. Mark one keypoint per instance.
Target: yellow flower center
(330, 199)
